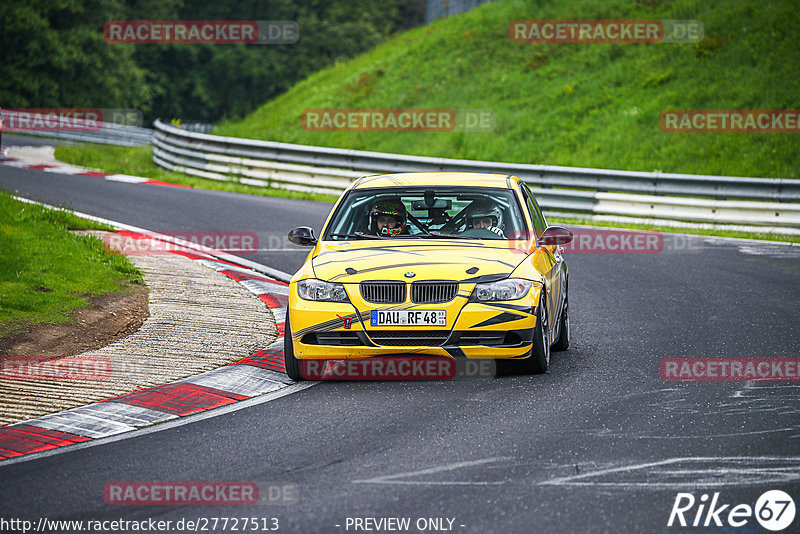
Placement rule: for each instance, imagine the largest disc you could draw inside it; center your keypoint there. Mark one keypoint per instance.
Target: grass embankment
(584, 105)
(45, 271)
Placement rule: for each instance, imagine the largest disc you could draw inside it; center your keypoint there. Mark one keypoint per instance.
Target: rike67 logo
(774, 510)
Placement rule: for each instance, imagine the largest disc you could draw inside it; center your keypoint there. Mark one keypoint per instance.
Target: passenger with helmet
(388, 218)
(484, 214)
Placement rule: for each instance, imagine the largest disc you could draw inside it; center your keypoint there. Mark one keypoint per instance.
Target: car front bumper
(341, 330)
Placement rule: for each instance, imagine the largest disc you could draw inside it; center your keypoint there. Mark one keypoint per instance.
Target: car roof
(425, 179)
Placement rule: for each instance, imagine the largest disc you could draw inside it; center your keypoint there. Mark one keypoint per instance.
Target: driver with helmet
(388, 218)
(485, 214)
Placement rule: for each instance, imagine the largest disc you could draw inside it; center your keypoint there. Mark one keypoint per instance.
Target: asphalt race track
(601, 443)
(30, 140)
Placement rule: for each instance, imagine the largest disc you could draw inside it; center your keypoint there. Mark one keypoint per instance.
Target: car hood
(462, 260)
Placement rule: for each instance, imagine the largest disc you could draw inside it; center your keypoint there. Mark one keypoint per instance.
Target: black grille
(482, 338)
(433, 292)
(489, 338)
(408, 338)
(384, 292)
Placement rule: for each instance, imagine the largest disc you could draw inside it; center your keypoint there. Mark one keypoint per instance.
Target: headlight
(509, 289)
(313, 289)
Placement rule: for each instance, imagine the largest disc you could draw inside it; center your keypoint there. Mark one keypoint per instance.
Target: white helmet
(480, 209)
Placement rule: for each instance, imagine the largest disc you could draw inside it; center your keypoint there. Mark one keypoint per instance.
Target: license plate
(408, 318)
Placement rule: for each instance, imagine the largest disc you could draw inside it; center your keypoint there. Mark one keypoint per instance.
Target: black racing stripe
(455, 352)
(398, 248)
(511, 265)
(486, 278)
(515, 307)
(350, 257)
(521, 356)
(383, 267)
(354, 259)
(367, 252)
(400, 243)
(327, 325)
(504, 317)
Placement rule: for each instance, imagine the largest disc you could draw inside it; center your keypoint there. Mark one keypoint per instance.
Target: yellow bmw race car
(457, 265)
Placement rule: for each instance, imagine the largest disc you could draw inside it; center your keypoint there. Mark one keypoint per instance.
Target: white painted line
(80, 422)
(392, 479)
(174, 423)
(240, 379)
(274, 375)
(126, 413)
(65, 170)
(259, 287)
(279, 314)
(778, 474)
(19, 163)
(125, 178)
(561, 480)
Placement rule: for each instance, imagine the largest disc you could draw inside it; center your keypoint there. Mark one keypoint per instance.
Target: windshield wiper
(358, 235)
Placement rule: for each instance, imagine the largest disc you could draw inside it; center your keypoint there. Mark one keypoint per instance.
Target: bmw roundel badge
(410, 275)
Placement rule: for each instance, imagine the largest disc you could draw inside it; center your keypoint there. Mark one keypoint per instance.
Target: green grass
(138, 161)
(47, 272)
(763, 236)
(585, 105)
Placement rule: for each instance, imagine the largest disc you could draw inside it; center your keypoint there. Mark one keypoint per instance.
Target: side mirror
(303, 235)
(556, 235)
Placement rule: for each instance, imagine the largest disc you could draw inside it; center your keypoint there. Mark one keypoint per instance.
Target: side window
(539, 224)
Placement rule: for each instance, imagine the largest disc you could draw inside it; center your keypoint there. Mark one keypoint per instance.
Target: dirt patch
(108, 318)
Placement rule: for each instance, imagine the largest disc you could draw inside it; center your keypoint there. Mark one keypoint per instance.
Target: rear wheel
(292, 363)
(562, 343)
(539, 359)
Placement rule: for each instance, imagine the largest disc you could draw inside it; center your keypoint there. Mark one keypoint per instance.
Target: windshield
(426, 213)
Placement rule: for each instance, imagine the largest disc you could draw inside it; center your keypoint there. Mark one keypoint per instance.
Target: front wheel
(539, 359)
(292, 363)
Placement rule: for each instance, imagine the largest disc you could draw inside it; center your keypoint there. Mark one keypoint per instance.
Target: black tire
(292, 363)
(562, 343)
(539, 359)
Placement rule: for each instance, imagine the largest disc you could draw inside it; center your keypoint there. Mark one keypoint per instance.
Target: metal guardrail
(732, 200)
(108, 133)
